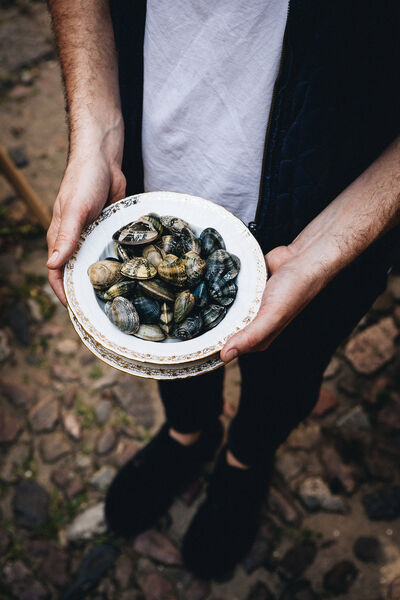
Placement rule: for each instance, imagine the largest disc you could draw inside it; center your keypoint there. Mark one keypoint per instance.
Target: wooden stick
(23, 189)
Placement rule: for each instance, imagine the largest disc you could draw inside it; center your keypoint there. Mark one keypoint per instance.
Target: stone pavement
(330, 527)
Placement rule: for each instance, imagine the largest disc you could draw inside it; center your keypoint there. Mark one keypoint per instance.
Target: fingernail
(231, 354)
(53, 257)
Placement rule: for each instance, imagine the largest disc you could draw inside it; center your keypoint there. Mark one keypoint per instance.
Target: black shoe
(145, 486)
(223, 529)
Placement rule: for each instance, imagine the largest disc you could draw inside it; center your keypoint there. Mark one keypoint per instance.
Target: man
(314, 165)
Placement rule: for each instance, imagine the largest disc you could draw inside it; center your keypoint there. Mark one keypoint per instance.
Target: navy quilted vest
(336, 105)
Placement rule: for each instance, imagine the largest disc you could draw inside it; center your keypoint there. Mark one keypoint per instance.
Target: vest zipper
(253, 225)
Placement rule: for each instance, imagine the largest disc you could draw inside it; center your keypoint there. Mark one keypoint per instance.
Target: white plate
(96, 243)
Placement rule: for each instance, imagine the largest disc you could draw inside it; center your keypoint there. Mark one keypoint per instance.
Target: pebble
(102, 478)
(332, 369)
(123, 571)
(260, 591)
(337, 471)
(297, 559)
(290, 464)
(18, 320)
(87, 524)
(64, 373)
(377, 466)
(156, 586)
(5, 349)
(17, 456)
(15, 571)
(394, 287)
(378, 386)
(305, 436)
(70, 396)
(106, 441)
(67, 347)
(30, 504)
(340, 578)
(327, 402)
(373, 347)
(18, 394)
(389, 418)
(315, 494)
(74, 487)
(394, 590)
(50, 330)
(53, 561)
(44, 415)
(34, 310)
(102, 410)
(369, 550)
(82, 461)
(5, 540)
(383, 505)
(135, 399)
(71, 425)
(19, 91)
(106, 381)
(19, 156)
(29, 589)
(10, 426)
(283, 507)
(53, 446)
(260, 554)
(300, 590)
(198, 590)
(157, 546)
(355, 419)
(93, 568)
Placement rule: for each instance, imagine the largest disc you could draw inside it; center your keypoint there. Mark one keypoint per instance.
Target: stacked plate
(169, 359)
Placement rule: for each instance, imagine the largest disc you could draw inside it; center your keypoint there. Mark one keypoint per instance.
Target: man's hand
(290, 287)
(86, 187)
(364, 211)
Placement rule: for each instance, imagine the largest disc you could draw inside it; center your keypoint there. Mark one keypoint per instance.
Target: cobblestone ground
(67, 422)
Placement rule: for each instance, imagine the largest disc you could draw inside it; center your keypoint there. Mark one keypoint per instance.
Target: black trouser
(280, 385)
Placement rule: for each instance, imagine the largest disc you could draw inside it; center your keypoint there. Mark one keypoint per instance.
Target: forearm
(363, 212)
(86, 47)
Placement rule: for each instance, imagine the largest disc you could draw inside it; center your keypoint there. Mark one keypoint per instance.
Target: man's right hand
(90, 181)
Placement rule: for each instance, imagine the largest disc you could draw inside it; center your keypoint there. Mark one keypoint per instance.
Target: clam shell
(195, 268)
(136, 233)
(123, 314)
(124, 253)
(212, 315)
(222, 290)
(174, 224)
(211, 240)
(189, 328)
(155, 220)
(153, 254)
(138, 268)
(157, 289)
(122, 288)
(201, 295)
(151, 333)
(170, 244)
(166, 319)
(147, 308)
(183, 305)
(172, 269)
(189, 242)
(219, 264)
(104, 273)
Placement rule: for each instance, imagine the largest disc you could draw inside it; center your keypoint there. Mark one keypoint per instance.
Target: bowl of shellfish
(160, 281)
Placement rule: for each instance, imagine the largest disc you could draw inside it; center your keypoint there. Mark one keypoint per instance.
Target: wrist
(93, 135)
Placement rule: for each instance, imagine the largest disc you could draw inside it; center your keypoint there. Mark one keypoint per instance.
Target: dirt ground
(68, 421)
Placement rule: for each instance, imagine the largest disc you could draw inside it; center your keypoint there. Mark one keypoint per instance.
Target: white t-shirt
(209, 72)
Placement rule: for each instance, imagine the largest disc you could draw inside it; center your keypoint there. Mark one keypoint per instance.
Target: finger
(67, 239)
(52, 236)
(56, 282)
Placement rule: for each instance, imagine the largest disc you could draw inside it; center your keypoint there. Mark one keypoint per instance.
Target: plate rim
(104, 342)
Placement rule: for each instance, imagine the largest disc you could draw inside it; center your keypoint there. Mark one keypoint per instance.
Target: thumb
(67, 239)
